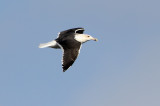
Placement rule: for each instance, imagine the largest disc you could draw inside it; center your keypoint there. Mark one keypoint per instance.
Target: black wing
(69, 56)
(70, 52)
(70, 32)
(70, 46)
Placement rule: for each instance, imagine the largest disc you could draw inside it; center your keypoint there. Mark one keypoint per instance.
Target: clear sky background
(121, 69)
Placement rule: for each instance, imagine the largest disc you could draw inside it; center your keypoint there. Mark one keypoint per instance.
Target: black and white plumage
(70, 42)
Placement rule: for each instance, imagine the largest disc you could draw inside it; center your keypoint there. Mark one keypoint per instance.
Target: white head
(84, 38)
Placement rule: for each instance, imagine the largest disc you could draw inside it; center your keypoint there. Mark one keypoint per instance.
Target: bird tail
(52, 44)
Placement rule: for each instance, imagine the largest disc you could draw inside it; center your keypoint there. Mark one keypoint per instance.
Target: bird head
(84, 38)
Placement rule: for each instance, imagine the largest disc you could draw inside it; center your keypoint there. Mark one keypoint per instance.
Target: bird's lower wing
(69, 56)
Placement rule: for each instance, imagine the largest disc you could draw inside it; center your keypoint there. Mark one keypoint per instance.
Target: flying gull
(70, 42)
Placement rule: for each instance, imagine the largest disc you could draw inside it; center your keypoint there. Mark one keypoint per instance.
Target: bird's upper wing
(70, 32)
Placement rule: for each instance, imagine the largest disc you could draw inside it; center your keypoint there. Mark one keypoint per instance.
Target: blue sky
(121, 69)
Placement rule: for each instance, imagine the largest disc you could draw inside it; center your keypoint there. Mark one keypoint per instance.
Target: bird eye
(88, 36)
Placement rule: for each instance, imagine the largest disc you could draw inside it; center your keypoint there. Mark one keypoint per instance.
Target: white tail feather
(49, 44)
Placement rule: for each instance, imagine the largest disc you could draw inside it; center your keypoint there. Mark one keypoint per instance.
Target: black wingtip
(64, 69)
